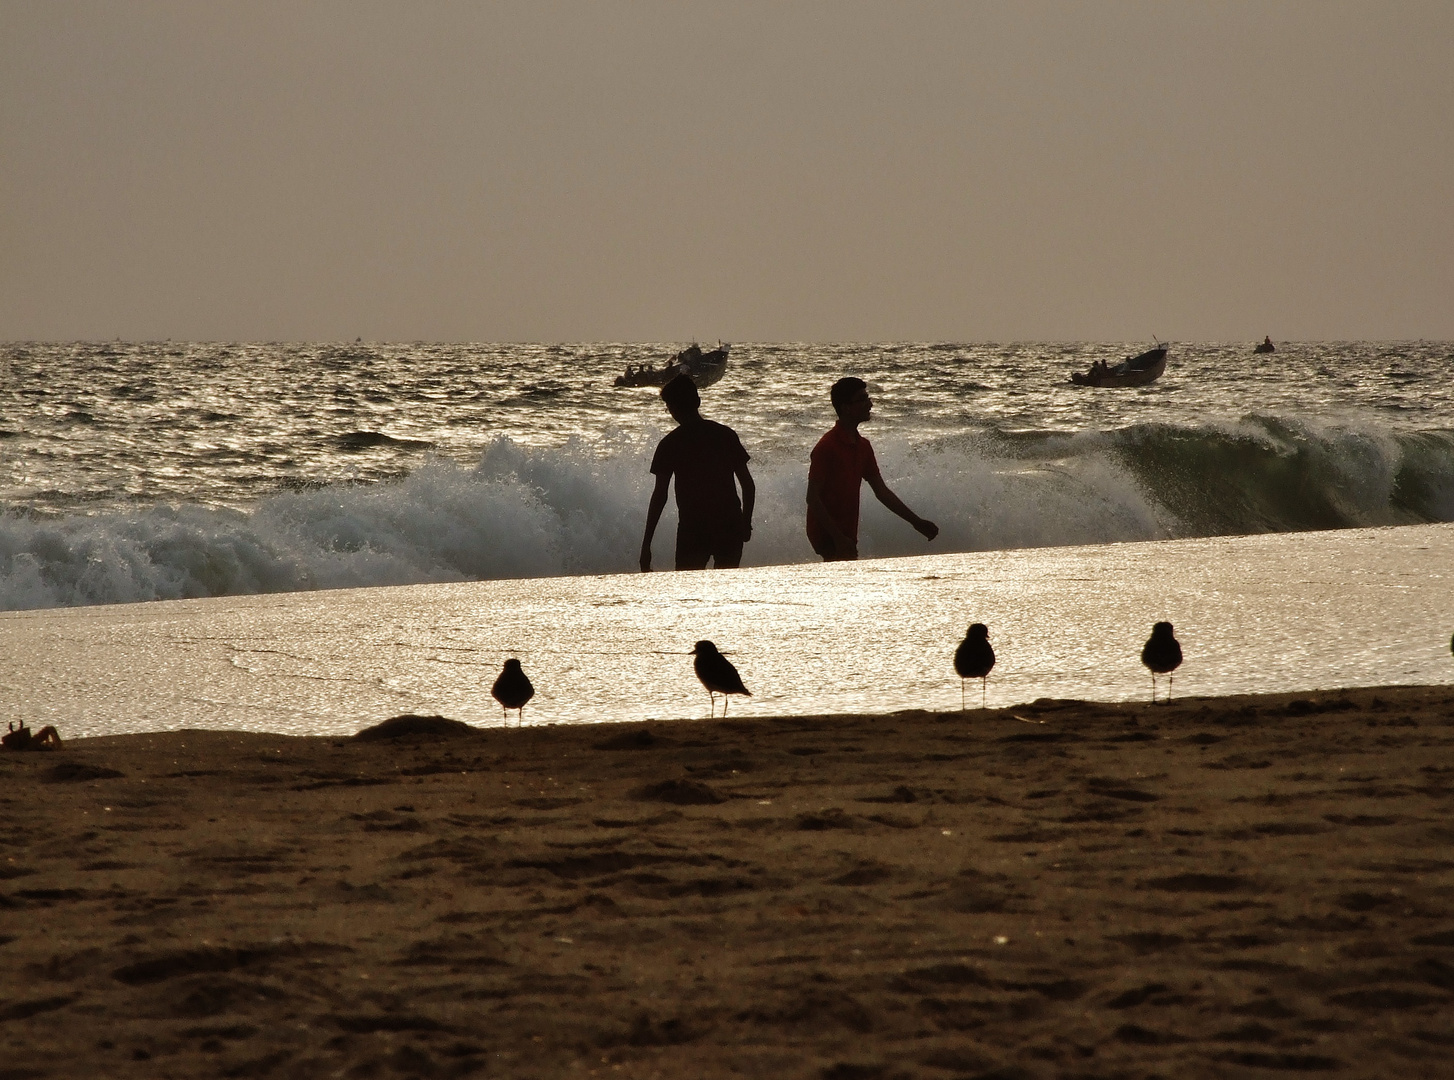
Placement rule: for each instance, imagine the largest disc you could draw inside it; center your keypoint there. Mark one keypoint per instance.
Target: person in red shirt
(704, 456)
(841, 460)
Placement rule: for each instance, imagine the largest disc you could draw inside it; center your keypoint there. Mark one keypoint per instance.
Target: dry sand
(1214, 888)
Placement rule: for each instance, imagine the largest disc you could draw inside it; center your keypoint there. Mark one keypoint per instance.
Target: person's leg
(829, 553)
(727, 554)
(692, 551)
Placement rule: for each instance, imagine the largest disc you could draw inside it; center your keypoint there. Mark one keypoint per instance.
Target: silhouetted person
(973, 660)
(704, 456)
(717, 674)
(513, 688)
(840, 462)
(1162, 655)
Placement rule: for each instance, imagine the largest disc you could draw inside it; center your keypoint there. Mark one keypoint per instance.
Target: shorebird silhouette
(513, 689)
(717, 674)
(973, 660)
(1162, 654)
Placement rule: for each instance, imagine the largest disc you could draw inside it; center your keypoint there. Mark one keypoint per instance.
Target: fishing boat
(1266, 346)
(703, 368)
(1132, 371)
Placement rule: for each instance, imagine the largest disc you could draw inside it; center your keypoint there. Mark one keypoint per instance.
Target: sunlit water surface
(1267, 613)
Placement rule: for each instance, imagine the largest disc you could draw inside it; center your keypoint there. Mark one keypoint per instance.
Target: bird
(1162, 654)
(717, 674)
(513, 688)
(973, 660)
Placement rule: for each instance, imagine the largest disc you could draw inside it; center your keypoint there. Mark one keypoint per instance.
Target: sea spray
(136, 471)
(578, 509)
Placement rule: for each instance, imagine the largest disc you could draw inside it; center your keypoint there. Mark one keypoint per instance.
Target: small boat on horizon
(1266, 345)
(1132, 371)
(703, 368)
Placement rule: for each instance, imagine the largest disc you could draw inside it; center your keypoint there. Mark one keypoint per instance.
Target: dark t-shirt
(704, 456)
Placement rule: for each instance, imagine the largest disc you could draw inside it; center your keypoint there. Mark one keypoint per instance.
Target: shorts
(696, 546)
(828, 551)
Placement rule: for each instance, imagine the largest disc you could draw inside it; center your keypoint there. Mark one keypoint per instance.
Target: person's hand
(646, 558)
(746, 531)
(927, 528)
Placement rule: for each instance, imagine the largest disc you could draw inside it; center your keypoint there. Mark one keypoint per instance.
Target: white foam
(527, 511)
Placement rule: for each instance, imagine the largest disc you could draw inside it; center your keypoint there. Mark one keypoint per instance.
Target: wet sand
(1247, 886)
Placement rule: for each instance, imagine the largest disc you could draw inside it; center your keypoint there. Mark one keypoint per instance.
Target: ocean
(1287, 512)
(156, 471)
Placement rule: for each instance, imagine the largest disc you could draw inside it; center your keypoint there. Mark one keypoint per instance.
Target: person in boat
(1267, 342)
(839, 464)
(706, 458)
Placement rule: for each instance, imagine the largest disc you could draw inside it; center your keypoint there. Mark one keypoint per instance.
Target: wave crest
(579, 509)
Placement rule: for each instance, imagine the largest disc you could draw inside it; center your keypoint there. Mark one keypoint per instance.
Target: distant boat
(1266, 346)
(703, 368)
(1133, 371)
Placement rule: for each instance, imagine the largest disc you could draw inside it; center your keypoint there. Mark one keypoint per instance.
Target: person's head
(681, 398)
(849, 396)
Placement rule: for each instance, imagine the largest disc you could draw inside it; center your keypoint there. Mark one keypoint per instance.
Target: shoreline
(1213, 887)
(1263, 614)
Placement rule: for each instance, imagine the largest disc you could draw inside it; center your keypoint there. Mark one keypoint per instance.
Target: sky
(793, 170)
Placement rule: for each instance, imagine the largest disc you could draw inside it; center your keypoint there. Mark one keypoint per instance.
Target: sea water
(1277, 612)
(154, 471)
(268, 494)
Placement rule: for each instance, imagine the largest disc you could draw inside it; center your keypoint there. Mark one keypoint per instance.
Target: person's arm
(927, 528)
(653, 515)
(749, 499)
(843, 544)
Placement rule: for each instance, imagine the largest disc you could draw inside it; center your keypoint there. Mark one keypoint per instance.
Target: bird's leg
(1170, 679)
(725, 699)
(713, 707)
(983, 691)
(1153, 688)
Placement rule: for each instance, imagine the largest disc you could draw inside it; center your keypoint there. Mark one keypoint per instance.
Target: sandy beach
(1242, 886)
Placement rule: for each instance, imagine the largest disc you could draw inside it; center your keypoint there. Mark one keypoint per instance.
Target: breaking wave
(579, 509)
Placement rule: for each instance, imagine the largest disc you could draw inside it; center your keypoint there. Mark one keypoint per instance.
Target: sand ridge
(1248, 886)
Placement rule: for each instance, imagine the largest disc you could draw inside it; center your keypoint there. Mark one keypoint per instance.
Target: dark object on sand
(1162, 655)
(717, 674)
(973, 660)
(1132, 371)
(680, 793)
(639, 739)
(703, 368)
(1266, 346)
(410, 726)
(78, 772)
(513, 688)
(22, 738)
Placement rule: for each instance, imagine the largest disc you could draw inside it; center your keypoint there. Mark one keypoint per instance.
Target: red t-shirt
(839, 463)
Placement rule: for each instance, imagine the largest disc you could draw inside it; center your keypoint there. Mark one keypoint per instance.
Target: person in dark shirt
(840, 462)
(705, 457)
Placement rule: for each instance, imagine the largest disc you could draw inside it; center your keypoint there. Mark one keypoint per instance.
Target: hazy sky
(814, 170)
